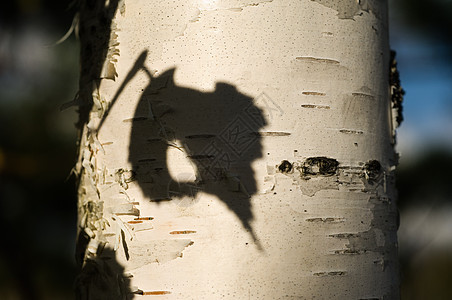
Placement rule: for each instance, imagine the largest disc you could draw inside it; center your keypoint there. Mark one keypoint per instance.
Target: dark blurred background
(38, 148)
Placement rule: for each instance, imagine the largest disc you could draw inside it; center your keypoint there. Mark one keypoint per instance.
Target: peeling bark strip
(155, 293)
(350, 131)
(350, 251)
(99, 270)
(135, 222)
(315, 106)
(271, 133)
(317, 60)
(331, 273)
(326, 220)
(343, 235)
(313, 93)
(363, 96)
(144, 218)
(183, 232)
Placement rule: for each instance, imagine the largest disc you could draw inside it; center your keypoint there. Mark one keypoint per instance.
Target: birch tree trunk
(236, 149)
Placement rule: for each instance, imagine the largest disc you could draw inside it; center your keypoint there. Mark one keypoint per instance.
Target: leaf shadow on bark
(216, 133)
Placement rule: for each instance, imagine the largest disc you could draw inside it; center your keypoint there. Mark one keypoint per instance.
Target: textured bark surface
(239, 149)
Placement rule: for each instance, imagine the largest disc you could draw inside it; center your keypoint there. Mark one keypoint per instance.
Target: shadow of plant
(218, 133)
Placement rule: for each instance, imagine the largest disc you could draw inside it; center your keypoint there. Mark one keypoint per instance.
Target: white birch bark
(304, 207)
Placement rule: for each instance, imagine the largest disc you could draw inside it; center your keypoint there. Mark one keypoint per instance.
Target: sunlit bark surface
(238, 150)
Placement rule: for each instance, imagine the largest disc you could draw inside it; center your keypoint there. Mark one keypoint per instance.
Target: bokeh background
(38, 148)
